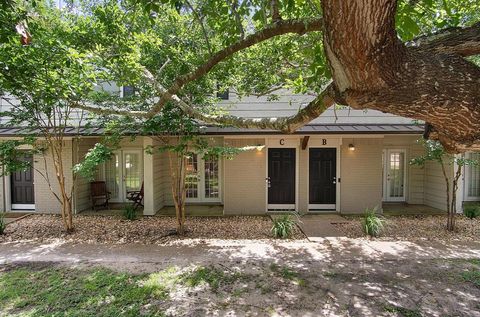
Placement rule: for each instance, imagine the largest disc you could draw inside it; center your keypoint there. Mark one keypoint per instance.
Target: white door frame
(140, 160)
(8, 192)
(8, 196)
(201, 183)
(466, 182)
(386, 161)
(331, 143)
(282, 142)
(122, 190)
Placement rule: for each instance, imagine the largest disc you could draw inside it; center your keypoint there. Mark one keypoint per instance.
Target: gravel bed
(145, 230)
(416, 228)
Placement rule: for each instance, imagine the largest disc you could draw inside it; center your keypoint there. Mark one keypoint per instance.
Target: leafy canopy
(434, 152)
(121, 38)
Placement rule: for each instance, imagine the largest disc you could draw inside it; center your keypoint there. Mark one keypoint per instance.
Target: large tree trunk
(373, 69)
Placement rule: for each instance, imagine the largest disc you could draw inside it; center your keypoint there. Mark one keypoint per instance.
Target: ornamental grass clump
(372, 224)
(471, 211)
(129, 212)
(283, 226)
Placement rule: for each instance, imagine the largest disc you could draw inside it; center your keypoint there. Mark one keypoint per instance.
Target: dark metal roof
(69, 131)
(330, 129)
(307, 129)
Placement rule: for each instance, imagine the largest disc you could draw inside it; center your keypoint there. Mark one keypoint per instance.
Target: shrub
(283, 225)
(129, 212)
(2, 223)
(471, 211)
(372, 223)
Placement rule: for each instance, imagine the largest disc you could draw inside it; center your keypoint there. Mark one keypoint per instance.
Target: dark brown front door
(322, 179)
(281, 173)
(22, 185)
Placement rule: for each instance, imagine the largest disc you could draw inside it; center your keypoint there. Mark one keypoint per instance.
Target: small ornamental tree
(181, 137)
(42, 78)
(434, 152)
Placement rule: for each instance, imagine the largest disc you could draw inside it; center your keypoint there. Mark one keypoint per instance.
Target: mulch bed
(145, 230)
(416, 228)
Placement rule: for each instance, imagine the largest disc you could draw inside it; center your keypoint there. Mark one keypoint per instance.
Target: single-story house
(344, 161)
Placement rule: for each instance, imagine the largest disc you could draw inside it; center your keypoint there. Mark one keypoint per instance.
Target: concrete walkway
(317, 227)
(147, 258)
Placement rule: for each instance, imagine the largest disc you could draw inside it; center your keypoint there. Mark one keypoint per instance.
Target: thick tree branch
(279, 28)
(460, 41)
(429, 81)
(285, 124)
(110, 111)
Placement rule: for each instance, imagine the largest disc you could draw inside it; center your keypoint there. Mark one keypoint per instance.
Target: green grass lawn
(60, 291)
(54, 290)
(76, 292)
(473, 275)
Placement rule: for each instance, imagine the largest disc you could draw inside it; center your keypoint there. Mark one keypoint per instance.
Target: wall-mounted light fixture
(351, 147)
(260, 147)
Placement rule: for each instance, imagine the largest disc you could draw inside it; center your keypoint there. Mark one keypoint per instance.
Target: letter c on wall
(282, 141)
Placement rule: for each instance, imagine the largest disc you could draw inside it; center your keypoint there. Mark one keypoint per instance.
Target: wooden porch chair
(99, 193)
(136, 196)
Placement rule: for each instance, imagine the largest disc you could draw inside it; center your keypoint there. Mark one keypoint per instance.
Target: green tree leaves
(421, 17)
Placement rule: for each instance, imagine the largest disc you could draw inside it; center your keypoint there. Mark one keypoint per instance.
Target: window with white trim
(472, 178)
(202, 180)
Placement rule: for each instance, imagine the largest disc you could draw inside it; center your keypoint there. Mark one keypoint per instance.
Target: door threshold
(281, 207)
(22, 207)
(400, 202)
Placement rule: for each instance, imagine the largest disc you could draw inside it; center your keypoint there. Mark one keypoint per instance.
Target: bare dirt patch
(254, 288)
(146, 230)
(416, 228)
(352, 288)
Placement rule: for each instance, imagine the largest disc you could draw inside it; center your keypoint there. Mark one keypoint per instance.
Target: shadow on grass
(386, 288)
(43, 290)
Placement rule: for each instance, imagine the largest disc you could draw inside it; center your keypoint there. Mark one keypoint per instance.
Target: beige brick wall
(361, 175)
(45, 201)
(244, 178)
(244, 190)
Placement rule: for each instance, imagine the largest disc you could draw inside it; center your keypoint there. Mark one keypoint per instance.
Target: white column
(148, 194)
